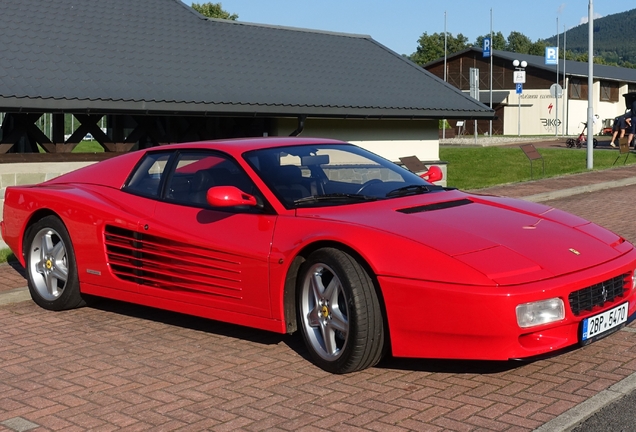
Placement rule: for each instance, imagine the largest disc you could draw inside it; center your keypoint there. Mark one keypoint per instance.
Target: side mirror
(433, 174)
(229, 196)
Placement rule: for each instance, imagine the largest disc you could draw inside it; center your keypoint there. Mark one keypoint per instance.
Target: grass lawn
(85, 146)
(478, 167)
(6, 255)
(88, 147)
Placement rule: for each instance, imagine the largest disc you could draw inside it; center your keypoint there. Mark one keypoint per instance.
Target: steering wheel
(368, 183)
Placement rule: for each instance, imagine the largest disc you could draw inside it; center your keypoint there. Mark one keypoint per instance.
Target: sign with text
(551, 55)
(486, 49)
(474, 83)
(519, 77)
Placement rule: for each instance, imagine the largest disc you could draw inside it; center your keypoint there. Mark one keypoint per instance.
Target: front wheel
(50, 265)
(339, 311)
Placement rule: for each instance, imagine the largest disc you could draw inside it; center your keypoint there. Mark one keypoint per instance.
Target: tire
(594, 142)
(50, 266)
(570, 142)
(339, 312)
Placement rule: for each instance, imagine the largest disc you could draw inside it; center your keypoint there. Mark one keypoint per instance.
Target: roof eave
(16, 104)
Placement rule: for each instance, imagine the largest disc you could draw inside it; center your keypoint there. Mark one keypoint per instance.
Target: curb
(15, 296)
(578, 414)
(564, 193)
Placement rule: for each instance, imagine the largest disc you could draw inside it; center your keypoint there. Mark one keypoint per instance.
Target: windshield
(332, 174)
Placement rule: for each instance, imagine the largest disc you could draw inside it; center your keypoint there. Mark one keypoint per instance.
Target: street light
(519, 79)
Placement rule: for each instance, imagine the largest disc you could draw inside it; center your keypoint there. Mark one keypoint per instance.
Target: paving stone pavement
(115, 366)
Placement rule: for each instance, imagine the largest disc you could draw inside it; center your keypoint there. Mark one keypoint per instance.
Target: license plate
(597, 326)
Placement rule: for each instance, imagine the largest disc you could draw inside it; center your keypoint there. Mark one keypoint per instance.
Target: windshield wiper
(413, 190)
(335, 197)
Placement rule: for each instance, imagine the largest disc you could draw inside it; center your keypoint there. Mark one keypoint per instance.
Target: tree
(432, 47)
(518, 43)
(213, 10)
(538, 48)
(498, 41)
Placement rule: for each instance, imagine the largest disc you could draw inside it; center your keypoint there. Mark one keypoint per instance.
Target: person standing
(630, 137)
(621, 124)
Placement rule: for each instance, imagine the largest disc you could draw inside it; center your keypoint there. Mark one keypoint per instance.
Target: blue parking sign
(519, 88)
(551, 55)
(486, 48)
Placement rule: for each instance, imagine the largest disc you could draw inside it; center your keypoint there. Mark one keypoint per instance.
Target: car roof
(241, 145)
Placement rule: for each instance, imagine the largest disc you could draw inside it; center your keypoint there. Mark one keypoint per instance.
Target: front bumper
(436, 320)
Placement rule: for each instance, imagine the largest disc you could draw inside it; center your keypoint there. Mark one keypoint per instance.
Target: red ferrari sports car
(359, 254)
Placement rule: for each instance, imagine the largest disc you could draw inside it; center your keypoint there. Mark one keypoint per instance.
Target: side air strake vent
(171, 265)
(436, 206)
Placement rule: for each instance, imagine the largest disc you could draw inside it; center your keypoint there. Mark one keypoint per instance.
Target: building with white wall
(536, 111)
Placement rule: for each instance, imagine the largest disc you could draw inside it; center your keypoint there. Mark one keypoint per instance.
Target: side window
(196, 172)
(146, 180)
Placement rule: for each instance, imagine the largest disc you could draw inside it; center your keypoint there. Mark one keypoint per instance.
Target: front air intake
(597, 295)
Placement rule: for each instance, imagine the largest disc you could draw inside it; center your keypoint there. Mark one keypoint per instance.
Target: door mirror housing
(433, 174)
(229, 196)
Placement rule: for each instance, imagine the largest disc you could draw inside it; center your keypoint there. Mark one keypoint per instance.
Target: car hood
(510, 241)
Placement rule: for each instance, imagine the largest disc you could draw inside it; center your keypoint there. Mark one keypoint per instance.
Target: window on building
(577, 89)
(631, 87)
(609, 91)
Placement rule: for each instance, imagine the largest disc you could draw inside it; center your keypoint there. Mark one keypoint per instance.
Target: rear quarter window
(146, 179)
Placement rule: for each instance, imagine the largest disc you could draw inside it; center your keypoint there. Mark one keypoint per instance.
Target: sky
(398, 24)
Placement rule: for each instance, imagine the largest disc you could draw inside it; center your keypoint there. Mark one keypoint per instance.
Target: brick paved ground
(11, 276)
(118, 366)
(516, 190)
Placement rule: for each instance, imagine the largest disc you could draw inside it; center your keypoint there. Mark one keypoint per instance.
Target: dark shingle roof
(160, 55)
(572, 68)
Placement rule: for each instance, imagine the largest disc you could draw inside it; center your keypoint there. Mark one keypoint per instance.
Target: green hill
(614, 39)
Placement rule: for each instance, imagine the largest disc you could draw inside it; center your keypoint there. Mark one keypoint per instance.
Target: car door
(204, 256)
(122, 228)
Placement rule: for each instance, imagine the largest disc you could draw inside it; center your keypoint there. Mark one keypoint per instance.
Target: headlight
(541, 312)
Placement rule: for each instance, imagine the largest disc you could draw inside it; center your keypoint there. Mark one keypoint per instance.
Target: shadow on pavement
(294, 341)
(450, 366)
(187, 321)
(15, 265)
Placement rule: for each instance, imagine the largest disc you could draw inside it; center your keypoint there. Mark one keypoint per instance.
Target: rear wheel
(339, 312)
(51, 268)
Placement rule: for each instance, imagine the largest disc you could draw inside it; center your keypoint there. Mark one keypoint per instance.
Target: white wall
(538, 112)
(390, 139)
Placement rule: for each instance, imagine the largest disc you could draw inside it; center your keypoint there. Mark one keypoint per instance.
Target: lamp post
(590, 84)
(519, 79)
